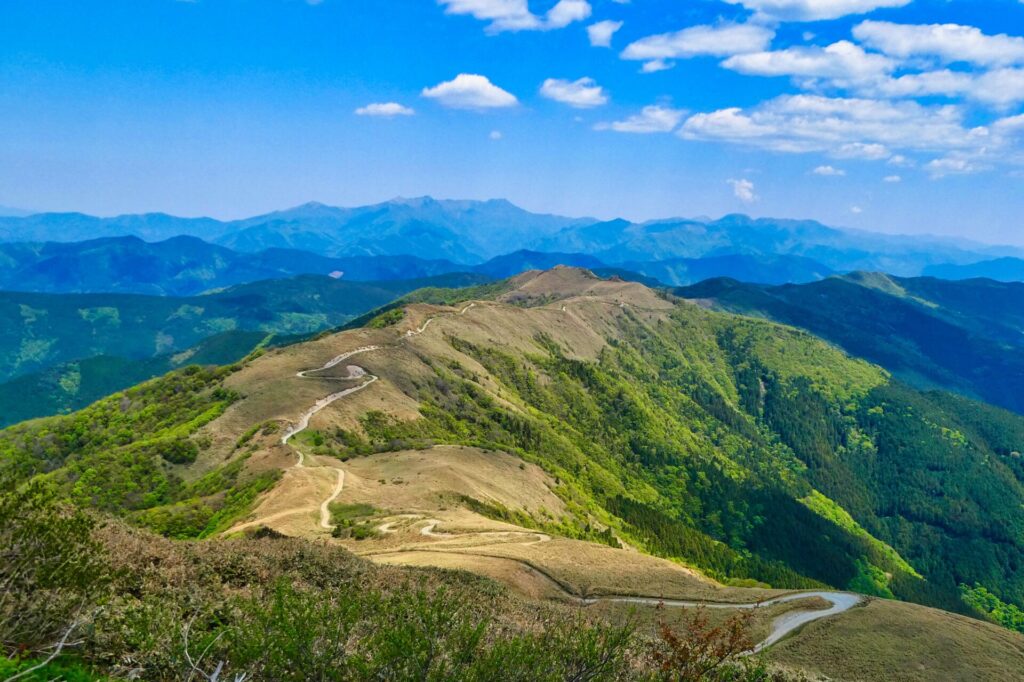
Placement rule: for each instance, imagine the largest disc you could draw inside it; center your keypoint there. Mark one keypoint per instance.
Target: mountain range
(472, 232)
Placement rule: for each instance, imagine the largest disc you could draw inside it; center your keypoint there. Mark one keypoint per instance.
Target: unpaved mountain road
(781, 627)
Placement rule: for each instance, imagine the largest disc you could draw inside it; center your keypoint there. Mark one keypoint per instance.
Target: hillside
(565, 434)
(61, 352)
(962, 336)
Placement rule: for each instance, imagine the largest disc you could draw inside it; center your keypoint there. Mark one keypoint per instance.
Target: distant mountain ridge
(187, 266)
(1000, 269)
(466, 231)
(472, 232)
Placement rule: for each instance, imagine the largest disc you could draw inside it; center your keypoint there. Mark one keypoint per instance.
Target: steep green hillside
(753, 451)
(962, 336)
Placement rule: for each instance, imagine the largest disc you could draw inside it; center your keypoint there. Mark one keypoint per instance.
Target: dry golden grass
(887, 640)
(428, 480)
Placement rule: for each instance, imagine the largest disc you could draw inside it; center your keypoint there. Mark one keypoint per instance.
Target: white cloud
(814, 10)
(723, 40)
(566, 12)
(656, 65)
(582, 94)
(947, 43)
(999, 88)
(495, 135)
(844, 127)
(651, 119)
(385, 110)
(1012, 125)
(892, 179)
(856, 210)
(600, 34)
(863, 150)
(743, 189)
(952, 165)
(839, 60)
(515, 15)
(470, 91)
(829, 171)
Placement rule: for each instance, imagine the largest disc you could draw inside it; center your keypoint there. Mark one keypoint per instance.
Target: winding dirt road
(781, 627)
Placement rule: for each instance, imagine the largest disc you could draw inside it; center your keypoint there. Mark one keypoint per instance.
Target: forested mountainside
(965, 336)
(752, 451)
(60, 352)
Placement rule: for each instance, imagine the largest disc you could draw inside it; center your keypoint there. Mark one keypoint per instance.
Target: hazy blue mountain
(839, 250)
(466, 231)
(965, 336)
(999, 269)
(76, 227)
(745, 268)
(13, 212)
(475, 231)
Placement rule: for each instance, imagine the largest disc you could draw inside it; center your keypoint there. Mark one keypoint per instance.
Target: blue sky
(891, 115)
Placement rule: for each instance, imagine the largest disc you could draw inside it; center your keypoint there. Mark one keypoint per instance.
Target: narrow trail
(781, 627)
(352, 372)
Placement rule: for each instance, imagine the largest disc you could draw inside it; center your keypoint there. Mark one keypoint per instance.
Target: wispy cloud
(651, 119)
(743, 189)
(723, 40)
(515, 15)
(385, 110)
(813, 10)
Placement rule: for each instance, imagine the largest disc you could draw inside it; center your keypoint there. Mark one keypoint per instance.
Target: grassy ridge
(753, 451)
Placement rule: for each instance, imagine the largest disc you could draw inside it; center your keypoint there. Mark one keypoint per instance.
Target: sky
(902, 116)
